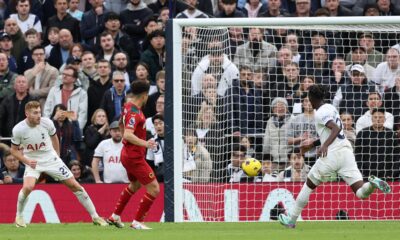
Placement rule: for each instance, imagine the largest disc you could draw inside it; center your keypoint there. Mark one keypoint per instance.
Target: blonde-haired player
(37, 136)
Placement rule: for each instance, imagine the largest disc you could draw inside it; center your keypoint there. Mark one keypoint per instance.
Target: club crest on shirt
(131, 122)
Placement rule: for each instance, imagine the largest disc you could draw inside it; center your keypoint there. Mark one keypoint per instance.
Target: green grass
(386, 230)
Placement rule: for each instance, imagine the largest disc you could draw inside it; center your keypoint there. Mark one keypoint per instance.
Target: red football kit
(133, 156)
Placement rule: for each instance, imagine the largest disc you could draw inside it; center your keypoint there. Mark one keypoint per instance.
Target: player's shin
(126, 194)
(85, 200)
(301, 202)
(21, 202)
(144, 206)
(364, 191)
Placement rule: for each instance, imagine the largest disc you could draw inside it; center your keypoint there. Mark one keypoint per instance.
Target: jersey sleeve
(99, 151)
(16, 137)
(325, 116)
(49, 125)
(131, 120)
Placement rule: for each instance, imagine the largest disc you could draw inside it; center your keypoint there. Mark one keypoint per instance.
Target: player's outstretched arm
(335, 130)
(56, 143)
(18, 155)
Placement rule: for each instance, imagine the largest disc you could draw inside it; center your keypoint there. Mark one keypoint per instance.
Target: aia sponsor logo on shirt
(36, 146)
(114, 159)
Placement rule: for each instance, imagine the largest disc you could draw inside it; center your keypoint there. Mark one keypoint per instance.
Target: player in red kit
(133, 157)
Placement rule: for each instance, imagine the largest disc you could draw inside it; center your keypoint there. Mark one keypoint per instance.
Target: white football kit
(37, 145)
(340, 158)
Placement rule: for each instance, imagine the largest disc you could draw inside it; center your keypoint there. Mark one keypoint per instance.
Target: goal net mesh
(244, 95)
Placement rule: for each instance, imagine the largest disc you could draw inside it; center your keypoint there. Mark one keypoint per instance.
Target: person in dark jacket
(7, 78)
(229, 10)
(60, 52)
(12, 29)
(114, 99)
(94, 134)
(377, 149)
(81, 173)
(12, 109)
(13, 171)
(392, 100)
(154, 56)
(92, 24)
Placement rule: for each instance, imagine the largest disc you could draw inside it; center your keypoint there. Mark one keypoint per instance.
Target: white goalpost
(236, 89)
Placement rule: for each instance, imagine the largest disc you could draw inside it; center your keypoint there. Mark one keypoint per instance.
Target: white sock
(85, 200)
(364, 191)
(115, 216)
(301, 202)
(21, 202)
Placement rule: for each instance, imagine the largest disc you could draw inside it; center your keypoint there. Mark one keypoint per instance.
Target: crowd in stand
(78, 58)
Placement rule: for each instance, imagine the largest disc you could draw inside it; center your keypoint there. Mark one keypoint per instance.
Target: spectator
(266, 172)
(303, 8)
(154, 56)
(107, 154)
(234, 172)
(366, 41)
(197, 164)
(377, 149)
(163, 16)
(108, 49)
(319, 65)
(53, 39)
(359, 56)
(150, 128)
(4, 148)
(114, 98)
(351, 97)
(274, 9)
(191, 11)
(348, 129)
(292, 42)
(133, 19)
(248, 143)
(219, 65)
(68, 132)
(73, 9)
(151, 105)
(68, 94)
(159, 4)
(156, 156)
(6, 78)
(41, 76)
(275, 141)
(81, 173)
(89, 66)
(63, 20)
(24, 18)
(12, 29)
(60, 52)
(120, 63)
(365, 121)
(297, 171)
(229, 10)
(92, 24)
(142, 73)
(385, 72)
(385, 8)
(6, 45)
(26, 62)
(246, 103)
(285, 56)
(100, 84)
(371, 10)
(305, 84)
(337, 77)
(13, 171)
(301, 128)
(336, 10)
(116, 6)
(12, 109)
(392, 99)
(96, 132)
(256, 52)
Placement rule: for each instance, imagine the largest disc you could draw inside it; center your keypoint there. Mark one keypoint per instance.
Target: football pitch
(343, 230)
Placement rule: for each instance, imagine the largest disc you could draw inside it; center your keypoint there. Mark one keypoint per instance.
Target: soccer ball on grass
(251, 167)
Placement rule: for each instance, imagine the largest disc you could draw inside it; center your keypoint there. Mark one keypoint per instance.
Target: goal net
(240, 91)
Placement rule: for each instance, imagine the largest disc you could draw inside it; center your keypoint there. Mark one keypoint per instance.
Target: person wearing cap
(114, 98)
(154, 55)
(92, 24)
(156, 156)
(6, 45)
(366, 41)
(275, 137)
(374, 101)
(386, 72)
(352, 97)
(359, 56)
(24, 18)
(41, 77)
(108, 152)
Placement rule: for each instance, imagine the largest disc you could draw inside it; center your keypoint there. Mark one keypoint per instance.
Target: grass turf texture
(345, 230)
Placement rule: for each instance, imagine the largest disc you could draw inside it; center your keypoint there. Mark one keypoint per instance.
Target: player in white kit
(335, 157)
(37, 136)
